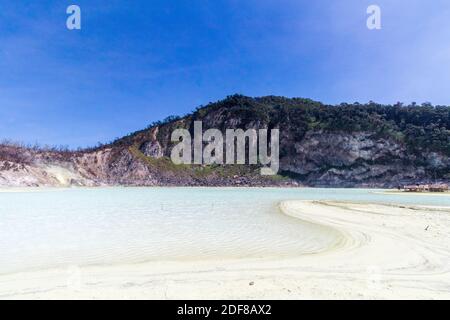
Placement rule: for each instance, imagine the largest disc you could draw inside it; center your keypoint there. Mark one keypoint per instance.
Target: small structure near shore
(426, 188)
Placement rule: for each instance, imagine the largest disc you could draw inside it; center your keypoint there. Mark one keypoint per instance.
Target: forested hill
(420, 127)
(320, 145)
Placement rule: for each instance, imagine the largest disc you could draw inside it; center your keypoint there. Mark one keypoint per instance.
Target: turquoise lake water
(65, 227)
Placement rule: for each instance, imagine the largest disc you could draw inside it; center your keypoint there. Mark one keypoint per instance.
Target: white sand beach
(424, 194)
(383, 252)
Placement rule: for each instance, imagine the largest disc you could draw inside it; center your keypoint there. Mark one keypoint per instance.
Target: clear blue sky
(138, 61)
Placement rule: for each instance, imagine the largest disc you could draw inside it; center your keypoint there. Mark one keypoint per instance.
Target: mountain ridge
(346, 145)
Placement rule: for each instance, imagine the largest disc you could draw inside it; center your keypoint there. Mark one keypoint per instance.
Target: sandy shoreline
(395, 192)
(384, 251)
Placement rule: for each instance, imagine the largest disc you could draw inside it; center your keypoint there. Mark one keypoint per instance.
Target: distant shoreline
(63, 188)
(392, 192)
(378, 190)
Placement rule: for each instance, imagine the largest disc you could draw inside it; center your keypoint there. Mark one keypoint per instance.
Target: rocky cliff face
(316, 149)
(360, 158)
